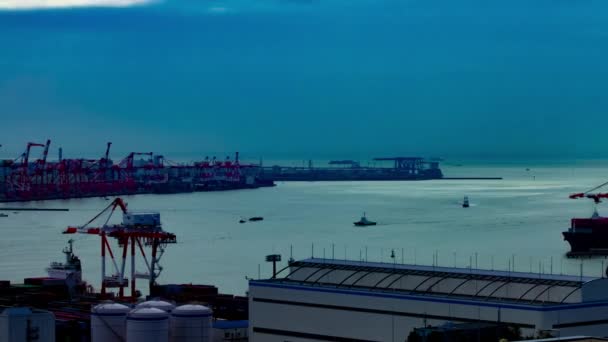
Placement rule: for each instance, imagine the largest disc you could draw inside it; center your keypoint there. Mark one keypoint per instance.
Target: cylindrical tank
(147, 325)
(108, 322)
(191, 323)
(158, 304)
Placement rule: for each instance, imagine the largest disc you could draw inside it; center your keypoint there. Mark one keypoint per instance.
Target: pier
(399, 169)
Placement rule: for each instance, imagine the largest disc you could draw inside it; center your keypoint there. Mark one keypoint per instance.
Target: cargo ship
(588, 236)
(70, 269)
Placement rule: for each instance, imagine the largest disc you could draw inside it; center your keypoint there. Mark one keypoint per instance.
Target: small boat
(465, 202)
(256, 218)
(364, 222)
(3, 215)
(242, 220)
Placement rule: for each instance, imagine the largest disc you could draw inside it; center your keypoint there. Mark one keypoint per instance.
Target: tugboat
(256, 218)
(588, 236)
(364, 222)
(70, 269)
(465, 202)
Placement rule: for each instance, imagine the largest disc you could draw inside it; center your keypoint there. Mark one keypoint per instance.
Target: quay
(398, 169)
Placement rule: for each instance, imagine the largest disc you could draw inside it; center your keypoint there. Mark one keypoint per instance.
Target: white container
(191, 323)
(108, 322)
(141, 219)
(157, 304)
(16, 324)
(147, 325)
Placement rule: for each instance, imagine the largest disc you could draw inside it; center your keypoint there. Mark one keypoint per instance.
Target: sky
(306, 78)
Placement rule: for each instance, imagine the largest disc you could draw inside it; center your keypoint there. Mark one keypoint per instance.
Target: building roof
(486, 285)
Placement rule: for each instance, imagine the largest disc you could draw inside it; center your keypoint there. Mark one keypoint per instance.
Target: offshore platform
(22, 179)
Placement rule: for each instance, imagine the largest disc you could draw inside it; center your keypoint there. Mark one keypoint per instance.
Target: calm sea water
(519, 217)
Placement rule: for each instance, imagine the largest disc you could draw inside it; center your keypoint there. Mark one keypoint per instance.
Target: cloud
(42, 4)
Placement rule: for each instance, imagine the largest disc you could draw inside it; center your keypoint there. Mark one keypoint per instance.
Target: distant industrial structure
(402, 168)
(23, 179)
(337, 300)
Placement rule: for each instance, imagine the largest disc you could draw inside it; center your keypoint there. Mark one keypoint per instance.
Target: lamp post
(274, 258)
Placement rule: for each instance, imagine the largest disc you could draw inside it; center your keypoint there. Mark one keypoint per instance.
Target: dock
(398, 169)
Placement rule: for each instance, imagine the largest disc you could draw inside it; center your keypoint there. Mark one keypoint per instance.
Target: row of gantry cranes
(23, 179)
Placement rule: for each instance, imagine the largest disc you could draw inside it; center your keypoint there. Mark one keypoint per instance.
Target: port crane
(23, 178)
(596, 197)
(137, 231)
(20, 180)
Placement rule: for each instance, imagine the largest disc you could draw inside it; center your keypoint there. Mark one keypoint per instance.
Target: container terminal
(24, 179)
(28, 179)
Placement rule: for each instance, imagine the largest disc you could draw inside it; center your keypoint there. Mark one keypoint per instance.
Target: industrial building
(338, 300)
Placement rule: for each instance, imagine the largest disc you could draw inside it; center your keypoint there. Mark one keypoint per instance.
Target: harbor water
(517, 220)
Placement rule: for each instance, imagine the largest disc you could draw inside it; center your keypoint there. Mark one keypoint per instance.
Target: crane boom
(107, 155)
(26, 154)
(597, 198)
(118, 202)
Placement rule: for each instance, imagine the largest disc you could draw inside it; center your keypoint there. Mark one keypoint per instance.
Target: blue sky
(468, 78)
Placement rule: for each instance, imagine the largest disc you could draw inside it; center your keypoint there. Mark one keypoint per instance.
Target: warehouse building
(337, 300)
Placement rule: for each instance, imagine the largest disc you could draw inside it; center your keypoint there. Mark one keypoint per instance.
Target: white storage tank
(147, 325)
(108, 322)
(24, 324)
(157, 304)
(191, 323)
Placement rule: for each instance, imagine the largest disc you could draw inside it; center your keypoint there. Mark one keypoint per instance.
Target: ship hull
(587, 242)
(359, 224)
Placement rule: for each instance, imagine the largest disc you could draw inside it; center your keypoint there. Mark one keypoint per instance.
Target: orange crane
(137, 230)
